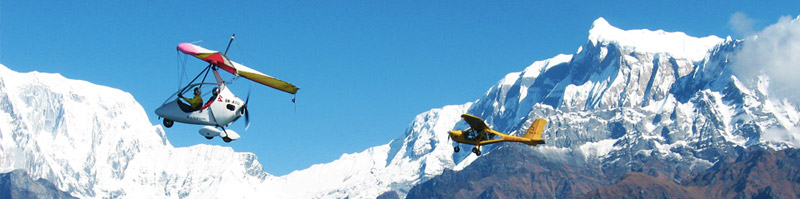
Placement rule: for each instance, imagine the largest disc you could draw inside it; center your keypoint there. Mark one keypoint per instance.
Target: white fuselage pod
(210, 132)
(224, 110)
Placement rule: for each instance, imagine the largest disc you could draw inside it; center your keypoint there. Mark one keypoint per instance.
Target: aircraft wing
(475, 122)
(220, 60)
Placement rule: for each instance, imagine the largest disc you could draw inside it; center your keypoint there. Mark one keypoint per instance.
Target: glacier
(624, 94)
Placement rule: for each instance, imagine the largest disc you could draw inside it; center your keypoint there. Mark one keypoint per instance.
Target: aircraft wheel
(226, 139)
(168, 123)
(457, 149)
(476, 151)
(209, 137)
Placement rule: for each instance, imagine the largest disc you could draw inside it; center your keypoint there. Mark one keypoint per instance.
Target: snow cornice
(676, 44)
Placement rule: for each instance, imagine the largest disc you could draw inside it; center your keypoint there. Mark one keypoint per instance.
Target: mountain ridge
(18, 184)
(676, 44)
(751, 175)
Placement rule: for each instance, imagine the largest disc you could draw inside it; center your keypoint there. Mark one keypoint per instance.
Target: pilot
(472, 134)
(195, 101)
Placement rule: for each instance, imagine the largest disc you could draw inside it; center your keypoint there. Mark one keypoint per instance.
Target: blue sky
(364, 68)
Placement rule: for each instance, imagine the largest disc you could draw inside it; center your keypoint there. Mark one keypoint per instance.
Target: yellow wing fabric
(475, 122)
(264, 79)
(220, 60)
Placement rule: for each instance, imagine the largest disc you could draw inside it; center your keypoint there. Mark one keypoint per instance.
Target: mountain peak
(601, 25)
(676, 44)
(603, 31)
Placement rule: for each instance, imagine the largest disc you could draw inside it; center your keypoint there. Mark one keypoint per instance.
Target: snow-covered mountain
(96, 142)
(622, 95)
(633, 101)
(666, 90)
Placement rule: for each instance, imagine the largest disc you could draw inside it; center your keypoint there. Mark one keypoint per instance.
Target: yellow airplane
(480, 134)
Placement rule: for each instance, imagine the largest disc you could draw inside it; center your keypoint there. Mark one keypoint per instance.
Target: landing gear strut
(476, 151)
(225, 138)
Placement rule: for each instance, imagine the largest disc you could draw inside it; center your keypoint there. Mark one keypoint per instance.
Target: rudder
(535, 131)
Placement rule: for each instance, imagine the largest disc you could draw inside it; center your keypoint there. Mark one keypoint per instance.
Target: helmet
(197, 91)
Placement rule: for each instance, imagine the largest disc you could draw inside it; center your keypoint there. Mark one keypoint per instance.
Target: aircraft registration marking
(197, 118)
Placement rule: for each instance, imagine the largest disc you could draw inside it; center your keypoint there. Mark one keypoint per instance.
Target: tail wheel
(476, 151)
(457, 149)
(209, 137)
(168, 123)
(226, 139)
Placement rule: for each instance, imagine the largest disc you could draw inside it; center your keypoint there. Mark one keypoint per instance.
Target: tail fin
(535, 131)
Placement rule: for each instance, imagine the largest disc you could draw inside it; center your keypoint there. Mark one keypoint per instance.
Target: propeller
(246, 113)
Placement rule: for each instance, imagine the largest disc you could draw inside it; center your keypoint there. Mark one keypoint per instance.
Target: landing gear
(456, 149)
(226, 139)
(168, 123)
(208, 137)
(476, 151)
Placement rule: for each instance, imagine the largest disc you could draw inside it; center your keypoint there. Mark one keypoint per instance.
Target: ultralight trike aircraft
(480, 134)
(223, 107)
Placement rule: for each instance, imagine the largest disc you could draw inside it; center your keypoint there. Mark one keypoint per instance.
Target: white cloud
(741, 24)
(775, 51)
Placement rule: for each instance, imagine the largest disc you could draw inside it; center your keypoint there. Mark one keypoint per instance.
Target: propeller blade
(246, 118)
(246, 113)
(248, 96)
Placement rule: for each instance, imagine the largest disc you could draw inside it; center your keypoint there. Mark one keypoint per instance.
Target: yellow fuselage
(461, 137)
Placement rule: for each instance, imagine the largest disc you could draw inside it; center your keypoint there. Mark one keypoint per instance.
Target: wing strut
(195, 78)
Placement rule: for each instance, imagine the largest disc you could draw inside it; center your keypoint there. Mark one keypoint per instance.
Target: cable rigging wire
(181, 66)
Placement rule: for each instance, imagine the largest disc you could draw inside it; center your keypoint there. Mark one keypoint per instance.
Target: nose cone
(161, 110)
(170, 110)
(455, 134)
